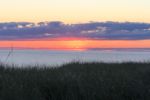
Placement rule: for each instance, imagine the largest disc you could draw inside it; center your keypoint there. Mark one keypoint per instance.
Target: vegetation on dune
(77, 81)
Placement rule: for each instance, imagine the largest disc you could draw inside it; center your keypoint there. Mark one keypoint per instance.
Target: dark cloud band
(93, 30)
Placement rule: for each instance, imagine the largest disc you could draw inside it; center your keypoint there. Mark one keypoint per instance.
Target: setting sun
(76, 44)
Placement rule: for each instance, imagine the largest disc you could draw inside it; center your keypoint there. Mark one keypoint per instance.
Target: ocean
(59, 57)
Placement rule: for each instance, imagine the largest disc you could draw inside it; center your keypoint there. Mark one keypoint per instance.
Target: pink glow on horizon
(74, 43)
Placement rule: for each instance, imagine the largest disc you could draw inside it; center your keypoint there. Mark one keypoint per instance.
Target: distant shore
(76, 81)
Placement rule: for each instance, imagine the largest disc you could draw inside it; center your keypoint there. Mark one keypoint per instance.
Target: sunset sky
(74, 24)
(74, 11)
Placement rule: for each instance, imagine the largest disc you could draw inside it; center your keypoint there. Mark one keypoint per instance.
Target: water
(49, 57)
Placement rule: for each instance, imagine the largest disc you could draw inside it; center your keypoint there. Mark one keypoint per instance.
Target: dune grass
(77, 81)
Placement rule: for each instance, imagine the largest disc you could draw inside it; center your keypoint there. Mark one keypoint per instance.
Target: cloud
(93, 30)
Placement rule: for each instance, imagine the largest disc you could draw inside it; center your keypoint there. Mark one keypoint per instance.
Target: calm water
(29, 57)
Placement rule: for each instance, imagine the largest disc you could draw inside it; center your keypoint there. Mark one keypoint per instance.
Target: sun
(76, 44)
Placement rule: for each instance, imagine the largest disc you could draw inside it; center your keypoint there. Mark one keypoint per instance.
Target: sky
(75, 11)
(74, 24)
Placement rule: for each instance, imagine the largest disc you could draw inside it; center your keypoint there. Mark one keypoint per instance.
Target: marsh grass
(76, 81)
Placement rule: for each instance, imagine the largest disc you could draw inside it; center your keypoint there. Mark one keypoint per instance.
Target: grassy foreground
(75, 81)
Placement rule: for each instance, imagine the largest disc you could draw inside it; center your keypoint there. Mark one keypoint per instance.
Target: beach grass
(76, 81)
